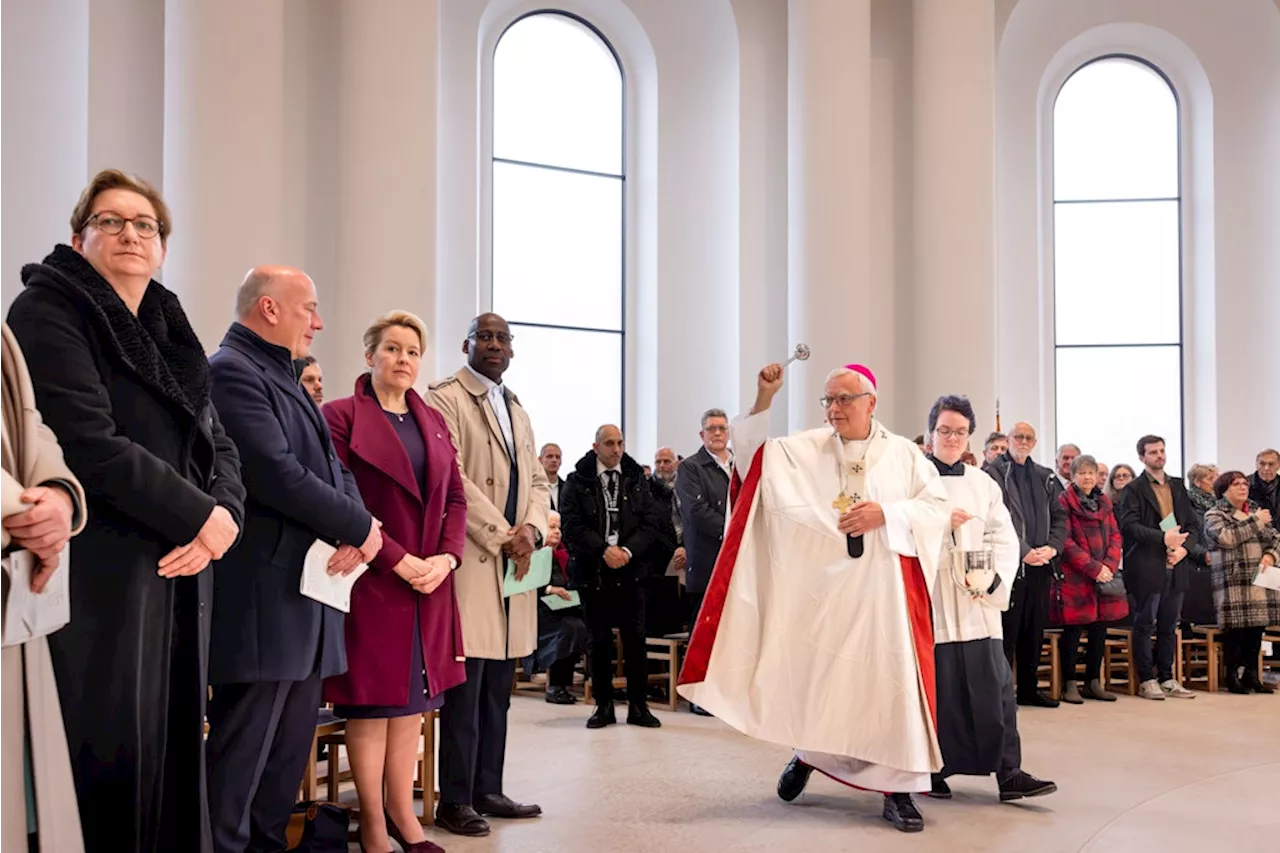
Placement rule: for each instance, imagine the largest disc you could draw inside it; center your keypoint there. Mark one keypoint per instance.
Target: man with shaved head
(614, 531)
(271, 646)
(508, 505)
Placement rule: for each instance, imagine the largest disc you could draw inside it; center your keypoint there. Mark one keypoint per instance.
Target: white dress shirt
(497, 398)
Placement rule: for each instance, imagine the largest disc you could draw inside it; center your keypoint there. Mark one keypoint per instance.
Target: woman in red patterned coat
(1090, 558)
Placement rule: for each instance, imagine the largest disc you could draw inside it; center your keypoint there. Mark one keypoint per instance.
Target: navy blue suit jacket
(298, 491)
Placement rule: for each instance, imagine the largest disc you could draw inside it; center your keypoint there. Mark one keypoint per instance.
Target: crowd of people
(161, 462)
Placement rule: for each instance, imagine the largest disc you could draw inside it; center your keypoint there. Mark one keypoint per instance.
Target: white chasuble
(801, 645)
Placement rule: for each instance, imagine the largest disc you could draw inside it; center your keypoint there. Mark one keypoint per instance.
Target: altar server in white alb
(977, 712)
(815, 629)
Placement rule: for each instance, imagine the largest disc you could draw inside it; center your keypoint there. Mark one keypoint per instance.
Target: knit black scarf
(158, 344)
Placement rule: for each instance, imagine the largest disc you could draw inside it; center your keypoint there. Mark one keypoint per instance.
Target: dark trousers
(473, 732)
(560, 673)
(695, 605)
(259, 739)
(1097, 642)
(1240, 648)
(1158, 611)
(1024, 624)
(617, 606)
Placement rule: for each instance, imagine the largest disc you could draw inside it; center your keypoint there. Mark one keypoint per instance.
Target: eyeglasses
(842, 400)
(1022, 436)
(110, 222)
(946, 432)
(486, 337)
(715, 429)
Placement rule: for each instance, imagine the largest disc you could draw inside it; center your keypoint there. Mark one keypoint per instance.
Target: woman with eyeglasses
(1242, 542)
(1121, 476)
(122, 380)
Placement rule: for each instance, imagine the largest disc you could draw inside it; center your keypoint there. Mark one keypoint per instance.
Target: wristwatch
(453, 562)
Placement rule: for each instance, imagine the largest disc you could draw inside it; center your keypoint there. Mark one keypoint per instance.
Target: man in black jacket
(1157, 566)
(271, 646)
(614, 534)
(1031, 494)
(1264, 484)
(702, 488)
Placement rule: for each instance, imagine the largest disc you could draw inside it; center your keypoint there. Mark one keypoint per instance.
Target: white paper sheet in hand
(318, 584)
(1268, 577)
(27, 615)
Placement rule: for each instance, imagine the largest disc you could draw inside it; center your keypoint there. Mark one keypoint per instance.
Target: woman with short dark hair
(123, 381)
(1241, 541)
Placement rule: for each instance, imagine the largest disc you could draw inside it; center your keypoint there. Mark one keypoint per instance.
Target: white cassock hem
(865, 775)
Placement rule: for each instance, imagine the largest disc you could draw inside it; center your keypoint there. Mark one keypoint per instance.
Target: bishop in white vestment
(815, 631)
(977, 712)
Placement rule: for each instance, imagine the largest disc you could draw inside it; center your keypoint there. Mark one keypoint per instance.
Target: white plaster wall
(1226, 67)
(44, 63)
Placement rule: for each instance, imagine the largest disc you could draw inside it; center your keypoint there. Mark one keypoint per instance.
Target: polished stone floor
(1197, 775)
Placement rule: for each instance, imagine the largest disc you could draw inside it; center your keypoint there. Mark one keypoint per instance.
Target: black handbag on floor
(318, 827)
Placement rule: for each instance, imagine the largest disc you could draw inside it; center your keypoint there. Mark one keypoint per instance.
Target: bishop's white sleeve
(915, 526)
(748, 432)
(1004, 544)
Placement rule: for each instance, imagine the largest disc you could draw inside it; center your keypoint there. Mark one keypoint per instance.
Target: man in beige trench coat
(43, 506)
(508, 499)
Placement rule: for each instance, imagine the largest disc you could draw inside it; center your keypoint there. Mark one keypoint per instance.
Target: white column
(829, 210)
(45, 95)
(126, 87)
(386, 253)
(224, 152)
(954, 202)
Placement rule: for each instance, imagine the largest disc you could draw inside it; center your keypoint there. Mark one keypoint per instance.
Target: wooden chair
(327, 725)
(1199, 658)
(668, 650)
(424, 778)
(1118, 667)
(1051, 660)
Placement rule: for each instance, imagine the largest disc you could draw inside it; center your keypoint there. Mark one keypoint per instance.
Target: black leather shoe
(900, 810)
(793, 779)
(1022, 785)
(699, 710)
(1039, 699)
(1252, 682)
(500, 805)
(940, 790)
(461, 820)
(602, 716)
(640, 715)
(1234, 685)
(561, 696)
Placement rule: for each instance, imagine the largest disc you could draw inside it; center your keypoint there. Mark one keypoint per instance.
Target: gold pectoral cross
(842, 504)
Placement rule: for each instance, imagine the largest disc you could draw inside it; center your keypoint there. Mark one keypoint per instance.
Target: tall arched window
(1117, 261)
(558, 195)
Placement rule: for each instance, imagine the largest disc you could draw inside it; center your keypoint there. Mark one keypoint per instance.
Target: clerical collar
(956, 470)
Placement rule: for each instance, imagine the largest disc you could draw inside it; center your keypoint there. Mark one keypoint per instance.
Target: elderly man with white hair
(815, 632)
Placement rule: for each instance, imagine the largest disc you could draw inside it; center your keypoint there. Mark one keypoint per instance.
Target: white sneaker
(1150, 690)
(1175, 690)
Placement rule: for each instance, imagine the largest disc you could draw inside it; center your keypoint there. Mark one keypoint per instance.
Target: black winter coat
(128, 398)
(642, 527)
(1144, 550)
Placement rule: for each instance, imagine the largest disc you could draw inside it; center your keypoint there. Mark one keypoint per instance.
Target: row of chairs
(1198, 663)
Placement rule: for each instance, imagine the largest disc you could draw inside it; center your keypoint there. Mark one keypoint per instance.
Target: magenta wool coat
(380, 626)
(1093, 539)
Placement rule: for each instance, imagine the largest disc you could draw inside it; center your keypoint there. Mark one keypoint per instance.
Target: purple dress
(411, 437)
